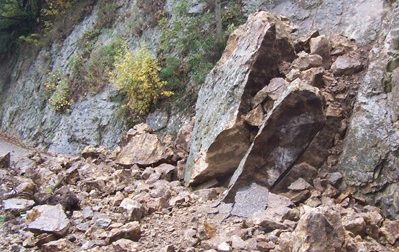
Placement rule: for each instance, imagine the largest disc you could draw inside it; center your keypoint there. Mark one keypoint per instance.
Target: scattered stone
(390, 229)
(135, 211)
(130, 231)
(151, 152)
(306, 61)
(125, 245)
(255, 116)
(321, 46)
(354, 224)
(299, 185)
(273, 91)
(48, 219)
(346, 65)
(319, 230)
(18, 204)
(224, 247)
(61, 245)
(334, 178)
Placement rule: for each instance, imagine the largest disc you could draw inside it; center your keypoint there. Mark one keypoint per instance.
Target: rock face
(369, 160)
(251, 59)
(289, 128)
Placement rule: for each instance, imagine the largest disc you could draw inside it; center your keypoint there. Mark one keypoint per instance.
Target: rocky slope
(95, 202)
(294, 147)
(94, 120)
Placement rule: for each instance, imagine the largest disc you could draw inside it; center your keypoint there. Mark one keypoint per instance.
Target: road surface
(15, 150)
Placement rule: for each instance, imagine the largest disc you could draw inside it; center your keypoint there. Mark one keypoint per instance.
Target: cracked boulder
(289, 128)
(250, 60)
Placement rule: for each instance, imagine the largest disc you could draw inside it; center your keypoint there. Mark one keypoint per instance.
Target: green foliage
(138, 76)
(57, 86)
(193, 40)
(17, 18)
(101, 63)
(172, 72)
(60, 100)
(90, 71)
(2, 219)
(106, 14)
(88, 40)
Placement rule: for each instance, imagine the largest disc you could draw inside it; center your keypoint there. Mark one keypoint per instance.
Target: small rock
(224, 247)
(298, 196)
(237, 242)
(273, 90)
(87, 213)
(103, 222)
(255, 116)
(346, 65)
(334, 178)
(306, 61)
(125, 245)
(130, 231)
(321, 46)
(60, 245)
(354, 224)
(48, 219)
(168, 171)
(135, 211)
(18, 204)
(390, 229)
(299, 185)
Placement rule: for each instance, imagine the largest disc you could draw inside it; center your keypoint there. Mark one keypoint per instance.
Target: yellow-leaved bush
(137, 74)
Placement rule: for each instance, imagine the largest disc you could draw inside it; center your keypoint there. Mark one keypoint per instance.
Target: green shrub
(106, 14)
(60, 100)
(101, 63)
(87, 41)
(57, 87)
(138, 76)
(192, 38)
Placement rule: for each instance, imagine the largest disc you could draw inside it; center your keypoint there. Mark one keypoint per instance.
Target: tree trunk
(218, 20)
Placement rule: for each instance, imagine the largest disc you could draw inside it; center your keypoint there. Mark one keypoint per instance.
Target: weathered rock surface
(289, 128)
(48, 219)
(18, 204)
(152, 151)
(319, 230)
(250, 60)
(369, 159)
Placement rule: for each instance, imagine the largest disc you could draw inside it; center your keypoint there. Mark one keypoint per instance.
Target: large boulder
(143, 148)
(285, 134)
(251, 59)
